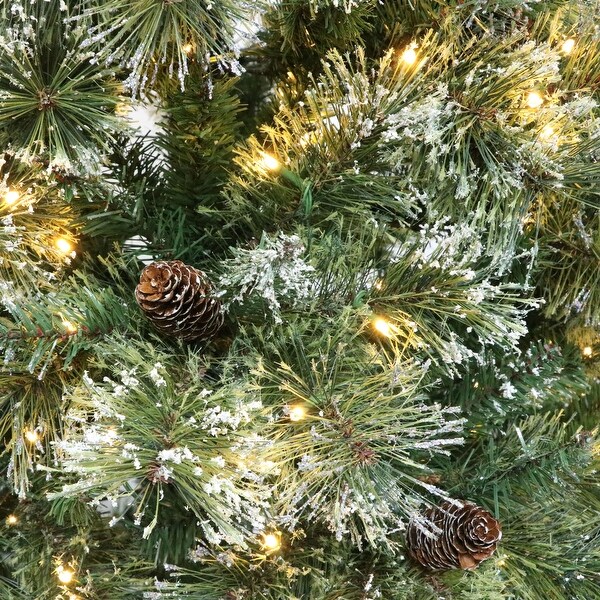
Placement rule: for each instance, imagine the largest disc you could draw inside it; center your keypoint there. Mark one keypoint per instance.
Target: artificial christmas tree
(397, 204)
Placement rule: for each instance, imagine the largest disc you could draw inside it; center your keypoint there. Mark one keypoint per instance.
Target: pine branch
(339, 466)
(159, 433)
(56, 101)
(568, 263)
(499, 390)
(147, 37)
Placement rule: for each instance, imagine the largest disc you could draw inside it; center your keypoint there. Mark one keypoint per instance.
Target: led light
(69, 326)
(64, 245)
(11, 196)
(476, 384)
(547, 132)
(12, 520)
(534, 100)
(409, 56)
(187, 48)
(270, 162)
(568, 46)
(297, 413)
(32, 436)
(272, 541)
(383, 327)
(587, 351)
(65, 576)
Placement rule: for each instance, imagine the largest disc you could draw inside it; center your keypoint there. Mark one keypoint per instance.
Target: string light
(568, 46)
(270, 162)
(11, 196)
(297, 413)
(409, 56)
(12, 520)
(272, 541)
(32, 436)
(64, 245)
(547, 132)
(534, 100)
(65, 576)
(69, 326)
(187, 48)
(383, 327)
(587, 351)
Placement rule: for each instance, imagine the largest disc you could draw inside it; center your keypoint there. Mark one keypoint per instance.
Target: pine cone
(178, 300)
(467, 535)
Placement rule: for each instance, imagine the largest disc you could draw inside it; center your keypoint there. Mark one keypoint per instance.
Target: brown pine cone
(453, 537)
(179, 300)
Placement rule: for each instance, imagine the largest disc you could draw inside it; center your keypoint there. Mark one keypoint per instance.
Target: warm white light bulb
(587, 351)
(271, 541)
(69, 326)
(270, 162)
(64, 245)
(11, 196)
(187, 48)
(409, 56)
(568, 46)
(297, 413)
(547, 132)
(65, 576)
(534, 100)
(12, 520)
(32, 436)
(383, 327)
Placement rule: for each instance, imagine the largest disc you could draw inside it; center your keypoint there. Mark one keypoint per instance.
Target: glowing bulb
(12, 520)
(476, 384)
(32, 436)
(534, 100)
(64, 245)
(65, 576)
(409, 56)
(568, 46)
(270, 162)
(587, 351)
(69, 326)
(187, 48)
(547, 132)
(383, 327)
(11, 196)
(297, 413)
(271, 541)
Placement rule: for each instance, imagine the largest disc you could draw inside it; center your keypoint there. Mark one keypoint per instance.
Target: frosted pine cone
(179, 300)
(467, 535)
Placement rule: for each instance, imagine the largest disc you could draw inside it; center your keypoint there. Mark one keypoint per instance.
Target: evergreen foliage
(398, 205)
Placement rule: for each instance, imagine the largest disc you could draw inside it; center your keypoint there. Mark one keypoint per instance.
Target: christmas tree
(300, 299)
